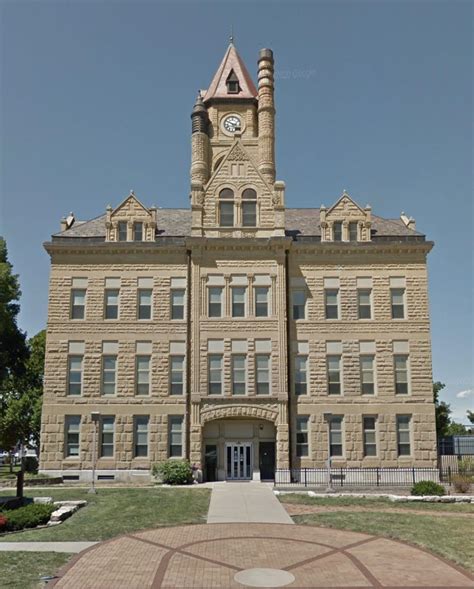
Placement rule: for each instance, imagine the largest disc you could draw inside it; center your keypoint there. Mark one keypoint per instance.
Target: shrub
(462, 483)
(28, 516)
(427, 488)
(31, 464)
(174, 472)
(466, 466)
(3, 522)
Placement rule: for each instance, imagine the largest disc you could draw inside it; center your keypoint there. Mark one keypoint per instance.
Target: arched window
(226, 207)
(249, 208)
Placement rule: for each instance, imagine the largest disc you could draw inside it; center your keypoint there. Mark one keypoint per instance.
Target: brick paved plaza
(212, 555)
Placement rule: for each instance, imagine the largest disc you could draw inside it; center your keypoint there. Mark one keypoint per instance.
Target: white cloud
(465, 394)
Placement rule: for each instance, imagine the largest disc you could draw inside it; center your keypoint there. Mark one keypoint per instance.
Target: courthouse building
(238, 333)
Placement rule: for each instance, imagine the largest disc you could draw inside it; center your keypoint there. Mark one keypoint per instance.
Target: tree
(456, 429)
(442, 411)
(13, 348)
(470, 416)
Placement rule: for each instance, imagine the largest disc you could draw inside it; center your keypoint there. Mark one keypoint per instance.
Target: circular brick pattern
(224, 555)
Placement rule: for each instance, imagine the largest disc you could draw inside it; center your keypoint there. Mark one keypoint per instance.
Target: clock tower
(233, 187)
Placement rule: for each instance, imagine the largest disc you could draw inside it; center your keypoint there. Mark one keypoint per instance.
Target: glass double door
(239, 461)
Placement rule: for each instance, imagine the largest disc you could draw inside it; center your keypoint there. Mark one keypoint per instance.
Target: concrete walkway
(71, 547)
(245, 503)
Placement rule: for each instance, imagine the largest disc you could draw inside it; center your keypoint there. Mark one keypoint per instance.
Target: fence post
(413, 472)
(305, 478)
(378, 476)
(342, 478)
(449, 475)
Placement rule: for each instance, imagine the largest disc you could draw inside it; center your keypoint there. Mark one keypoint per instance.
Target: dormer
(130, 221)
(345, 221)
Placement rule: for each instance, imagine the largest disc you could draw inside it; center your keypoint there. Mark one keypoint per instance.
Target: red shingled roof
(218, 88)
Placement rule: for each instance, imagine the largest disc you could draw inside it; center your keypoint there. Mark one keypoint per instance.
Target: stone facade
(180, 292)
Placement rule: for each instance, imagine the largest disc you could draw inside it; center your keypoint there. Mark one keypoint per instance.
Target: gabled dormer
(130, 221)
(345, 221)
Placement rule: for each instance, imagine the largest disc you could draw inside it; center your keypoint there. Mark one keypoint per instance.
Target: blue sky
(374, 97)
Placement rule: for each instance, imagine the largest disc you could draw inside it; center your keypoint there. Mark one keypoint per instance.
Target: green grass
(301, 499)
(22, 570)
(112, 512)
(5, 473)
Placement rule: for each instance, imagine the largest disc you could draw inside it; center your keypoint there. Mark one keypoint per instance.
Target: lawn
(109, 513)
(112, 512)
(21, 570)
(450, 537)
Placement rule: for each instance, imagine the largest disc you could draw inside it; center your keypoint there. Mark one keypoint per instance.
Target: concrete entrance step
(245, 502)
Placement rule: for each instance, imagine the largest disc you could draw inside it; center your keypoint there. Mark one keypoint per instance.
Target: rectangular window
(143, 375)
(370, 440)
(367, 379)
(335, 436)
(175, 436)
(403, 435)
(364, 300)
(107, 433)
(176, 375)
(397, 296)
(112, 303)
(301, 375)
(302, 446)
(299, 304)
(138, 231)
(122, 230)
(109, 375)
(238, 301)
(144, 303)
(401, 373)
(215, 301)
(249, 214)
(331, 296)
(226, 214)
(353, 231)
(239, 376)
(337, 230)
(140, 435)
(261, 301)
(74, 380)
(215, 373)
(262, 369)
(334, 374)
(72, 429)
(78, 303)
(177, 303)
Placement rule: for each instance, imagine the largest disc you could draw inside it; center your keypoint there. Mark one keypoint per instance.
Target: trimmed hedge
(427, 488)
(174, 472)
(29, 516)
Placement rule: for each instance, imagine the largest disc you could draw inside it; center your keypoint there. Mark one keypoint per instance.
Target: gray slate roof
(299, 222)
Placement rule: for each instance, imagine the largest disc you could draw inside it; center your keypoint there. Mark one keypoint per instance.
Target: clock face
(232, 124)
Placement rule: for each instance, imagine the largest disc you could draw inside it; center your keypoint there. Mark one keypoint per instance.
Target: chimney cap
(265, 54)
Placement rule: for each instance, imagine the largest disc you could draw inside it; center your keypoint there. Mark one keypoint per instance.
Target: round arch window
(226, 193)
(249, 194)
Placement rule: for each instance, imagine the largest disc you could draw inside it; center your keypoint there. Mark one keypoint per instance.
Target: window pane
(226, 210)
(141, 435)
(352, 231)
(122, 231)
(238, 375)
(332, 300)
(337, 230)
(177, 304)
(215, 302)
(138, 231)
(111, 304)
(144, 304)
(301, 386)
(215, 374)
(177, 375)
(302, 448)
(261, 301)
(398, 304)
(299, 304)
(249, 193)
(238, 301)
(107, 436)
(262, 365)
(78, 301)
(175, 436)
(249, 214)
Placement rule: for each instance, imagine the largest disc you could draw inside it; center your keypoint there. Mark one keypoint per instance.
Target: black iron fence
(456, 445)
(449, 474)
(354, 477)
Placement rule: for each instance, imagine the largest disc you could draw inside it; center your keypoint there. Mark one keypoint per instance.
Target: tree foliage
(443, 411)
(21, 366)
(470, 416)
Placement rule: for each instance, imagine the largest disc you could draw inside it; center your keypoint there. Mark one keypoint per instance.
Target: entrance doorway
(239, 461)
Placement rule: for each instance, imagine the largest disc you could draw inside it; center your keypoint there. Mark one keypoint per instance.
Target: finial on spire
(231, 38)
